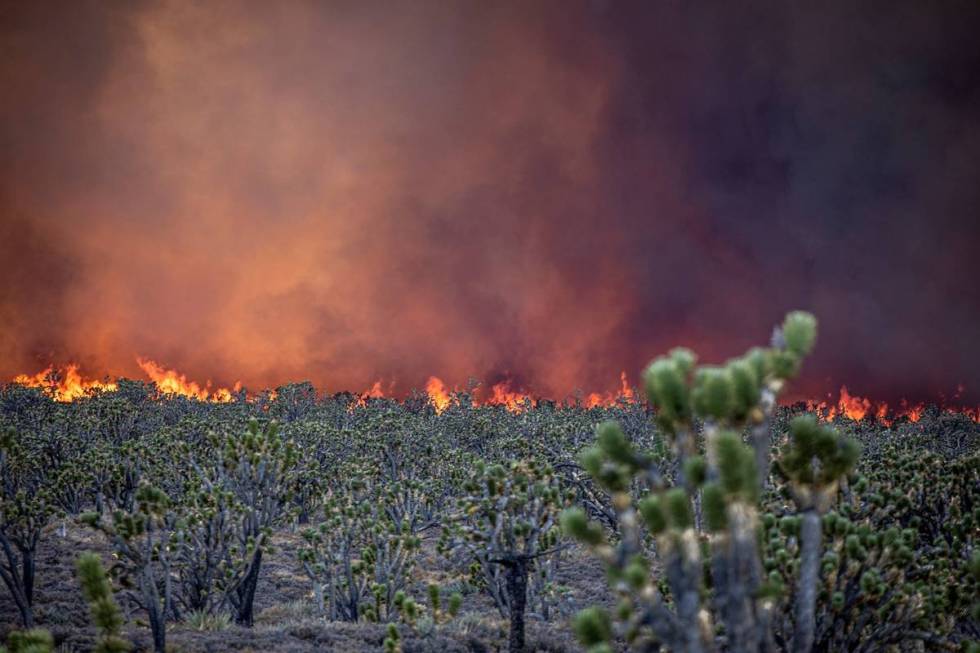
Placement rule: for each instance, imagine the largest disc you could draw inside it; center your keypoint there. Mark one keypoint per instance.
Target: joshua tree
(140, 541)
(508, 522)
(238, 497)
(814, 462)
(24, 511)
(723, 483)
(358, 558)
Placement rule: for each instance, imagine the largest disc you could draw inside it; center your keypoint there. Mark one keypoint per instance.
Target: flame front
(64, 387)
(854, 407)
(514, 401)
(68, 385)
(174, 383)
(596, 400)
(857, 408)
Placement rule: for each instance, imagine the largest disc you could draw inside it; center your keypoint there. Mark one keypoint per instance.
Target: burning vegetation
(67, 384)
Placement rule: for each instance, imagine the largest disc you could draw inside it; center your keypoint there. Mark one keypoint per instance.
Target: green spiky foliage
(25, 509)
(232, 505)
(143, 559)
(35, 640)
(717, 491)
(507, 526)
(900, 562)
(406, 469)
(105, 613)
(392, 641)
(117, 470)
(293, 401)
(358, 558)
(441, 610)
(814, 462)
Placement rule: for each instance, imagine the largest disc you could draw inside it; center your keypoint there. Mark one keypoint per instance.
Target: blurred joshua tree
(507, 523)
(718, 488)
(105, 612)
(36, 640)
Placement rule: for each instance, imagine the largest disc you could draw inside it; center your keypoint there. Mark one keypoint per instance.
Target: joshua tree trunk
(18, 576)
(760, 438)
(246, 593)
(806, 593)
(516, 569)
(154, 612)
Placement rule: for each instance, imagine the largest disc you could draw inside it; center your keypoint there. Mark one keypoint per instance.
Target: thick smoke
(547, 192)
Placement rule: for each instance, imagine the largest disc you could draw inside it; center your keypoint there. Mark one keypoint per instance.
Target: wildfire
(857, 408)
(854, 407)
(64, 387)
(174, 383)
(514, 401)
(439, 395)
(68, 384)
(595, 400)
(376, 391)
(503, 394)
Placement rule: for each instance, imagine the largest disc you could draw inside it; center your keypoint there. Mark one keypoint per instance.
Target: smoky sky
(548, 192)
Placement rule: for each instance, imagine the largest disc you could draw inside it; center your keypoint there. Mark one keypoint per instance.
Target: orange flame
(596, 400)
(514, 401)
(914, 413)
(173, 383)
(439, 395)
(502, 394)
(68, 387)
(857, 408)
(376, 391)
(853, 407)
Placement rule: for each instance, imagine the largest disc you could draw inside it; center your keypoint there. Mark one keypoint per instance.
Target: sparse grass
(289, 612)
(201, 620)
